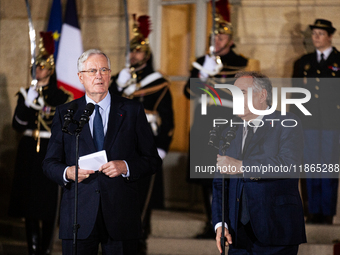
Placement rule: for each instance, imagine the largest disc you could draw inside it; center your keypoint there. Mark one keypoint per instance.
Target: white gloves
(209, 65)
(161, 153)
(31, 95)
(123, 77)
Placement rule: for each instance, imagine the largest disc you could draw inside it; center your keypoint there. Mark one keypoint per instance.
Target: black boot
(32, 236)
(47, 236)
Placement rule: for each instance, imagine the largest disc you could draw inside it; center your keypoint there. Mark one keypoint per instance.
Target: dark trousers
(322, 147)
(247, 244)
(100, 235)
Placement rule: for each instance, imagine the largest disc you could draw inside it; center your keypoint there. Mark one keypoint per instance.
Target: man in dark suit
(208, 72)
(108, 211)
(264, 211)
(319, 73)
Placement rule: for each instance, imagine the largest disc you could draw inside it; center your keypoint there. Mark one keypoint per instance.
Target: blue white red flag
(70, 48)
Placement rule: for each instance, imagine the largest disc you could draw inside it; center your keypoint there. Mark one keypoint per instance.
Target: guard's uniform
(157, 102)
(33, 195)
(322, 129)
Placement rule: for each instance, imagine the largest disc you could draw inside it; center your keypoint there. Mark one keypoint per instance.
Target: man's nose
(98, 74)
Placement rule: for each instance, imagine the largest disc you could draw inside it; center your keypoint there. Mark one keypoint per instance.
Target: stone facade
(271, 31)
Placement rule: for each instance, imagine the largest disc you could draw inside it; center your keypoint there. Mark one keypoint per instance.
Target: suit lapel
(261, 132)
(238, 142)
(116, 118)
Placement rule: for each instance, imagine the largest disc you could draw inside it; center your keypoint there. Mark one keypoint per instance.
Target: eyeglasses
(93, 72)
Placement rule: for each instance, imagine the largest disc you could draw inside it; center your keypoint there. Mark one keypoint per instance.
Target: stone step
(184, 246)
(15, 247)
(12, 228)
(172, 224)
(172, 232)
(167, 246)
(181, 246)
(323, 234)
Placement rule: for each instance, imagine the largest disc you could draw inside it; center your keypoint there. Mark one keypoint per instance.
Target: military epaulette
(152, 90)
(237, 68)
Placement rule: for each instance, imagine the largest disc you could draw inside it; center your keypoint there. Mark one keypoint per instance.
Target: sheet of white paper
(93, 161)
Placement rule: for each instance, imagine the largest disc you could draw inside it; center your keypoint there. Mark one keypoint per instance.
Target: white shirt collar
(103, 104)
(326, 53)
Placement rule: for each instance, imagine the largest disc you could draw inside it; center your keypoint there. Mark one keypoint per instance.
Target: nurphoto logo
(238, 100)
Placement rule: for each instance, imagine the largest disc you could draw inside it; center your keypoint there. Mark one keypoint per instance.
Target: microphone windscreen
(89, 109)
(73, 107)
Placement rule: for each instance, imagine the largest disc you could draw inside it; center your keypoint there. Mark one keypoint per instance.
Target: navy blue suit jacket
(274, 203)
(128, 138)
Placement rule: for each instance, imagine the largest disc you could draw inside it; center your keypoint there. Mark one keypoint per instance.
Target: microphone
(68, 117)
(231, 134)
(85, 117)
(213, 134)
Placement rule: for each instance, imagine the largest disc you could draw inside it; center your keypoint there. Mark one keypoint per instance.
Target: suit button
(317, 87)
(238, 200)
(317, 79)
(316, 96)
(338, 106)
(333, 74)
(97, 191)
(318, 71)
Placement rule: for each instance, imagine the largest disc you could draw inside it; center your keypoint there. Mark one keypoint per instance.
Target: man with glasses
(108, 207)
(219, 68)
(263, 209)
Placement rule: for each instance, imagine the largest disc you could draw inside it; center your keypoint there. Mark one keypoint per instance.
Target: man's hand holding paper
(93, 161)
(98, 161)
(114, 168)
(82, 174)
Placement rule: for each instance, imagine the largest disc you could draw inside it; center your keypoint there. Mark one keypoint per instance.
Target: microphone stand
(230, 135)
(75, 224)
(84, 118)
(223, 239)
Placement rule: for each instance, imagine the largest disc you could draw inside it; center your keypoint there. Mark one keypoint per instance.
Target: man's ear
(263, 97)
(80, 76)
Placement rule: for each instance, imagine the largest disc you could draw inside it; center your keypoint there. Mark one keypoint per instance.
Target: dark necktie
(98, 130)
(250, 135)
(322, 61)
(244, 208)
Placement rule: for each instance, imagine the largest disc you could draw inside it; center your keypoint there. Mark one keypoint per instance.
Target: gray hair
(260, 81)
(87, 54)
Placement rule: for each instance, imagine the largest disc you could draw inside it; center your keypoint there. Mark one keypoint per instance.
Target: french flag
(70, 49)
(54, 25)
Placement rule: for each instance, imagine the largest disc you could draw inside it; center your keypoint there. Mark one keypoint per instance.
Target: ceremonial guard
(322, 128)
(219, 66)
(34, 197)
(141, 83)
